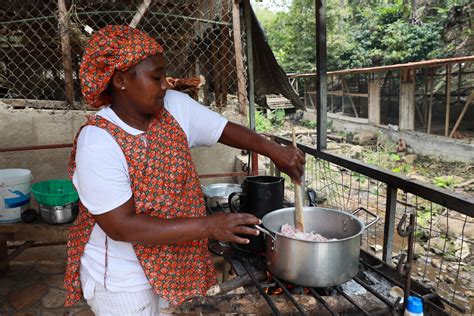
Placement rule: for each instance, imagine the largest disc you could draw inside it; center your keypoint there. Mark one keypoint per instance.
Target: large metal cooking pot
(312, 263)
(217, 194)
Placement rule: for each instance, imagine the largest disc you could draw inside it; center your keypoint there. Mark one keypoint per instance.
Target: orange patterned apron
(165, 184)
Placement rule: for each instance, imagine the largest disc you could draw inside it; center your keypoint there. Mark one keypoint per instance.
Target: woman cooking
(140, 240)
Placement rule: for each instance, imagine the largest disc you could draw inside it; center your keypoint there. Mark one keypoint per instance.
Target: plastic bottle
(414, 306)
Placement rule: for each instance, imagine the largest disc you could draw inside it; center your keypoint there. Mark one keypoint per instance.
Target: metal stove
(366, 294)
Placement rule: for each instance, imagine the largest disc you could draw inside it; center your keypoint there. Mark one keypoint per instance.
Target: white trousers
(106, 303)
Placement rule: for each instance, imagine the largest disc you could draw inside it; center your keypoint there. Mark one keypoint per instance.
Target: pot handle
(231, 197)
(369, 212)
(266, 232)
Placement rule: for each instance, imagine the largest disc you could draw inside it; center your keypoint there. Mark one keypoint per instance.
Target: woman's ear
(118, 80)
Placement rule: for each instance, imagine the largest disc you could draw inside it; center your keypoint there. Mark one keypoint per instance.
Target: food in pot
(288, 230)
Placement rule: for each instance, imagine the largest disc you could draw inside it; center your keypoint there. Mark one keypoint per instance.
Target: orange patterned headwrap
(114, 47)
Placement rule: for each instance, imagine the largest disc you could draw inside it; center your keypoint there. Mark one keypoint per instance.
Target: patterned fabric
(164, 184)
(114, 47)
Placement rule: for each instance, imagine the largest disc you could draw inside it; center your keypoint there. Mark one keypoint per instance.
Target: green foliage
(262, 123)
(277, 117)
(445, 182)
(358, 35)
(308, 123)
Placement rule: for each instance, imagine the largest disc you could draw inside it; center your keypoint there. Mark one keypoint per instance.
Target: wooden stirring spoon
(299, 221)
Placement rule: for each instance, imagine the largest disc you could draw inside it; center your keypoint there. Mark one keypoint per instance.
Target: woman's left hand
(290, 160)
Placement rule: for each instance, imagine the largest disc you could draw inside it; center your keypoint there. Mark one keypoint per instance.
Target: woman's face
(145, 85)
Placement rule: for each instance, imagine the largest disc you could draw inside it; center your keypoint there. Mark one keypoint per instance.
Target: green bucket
(55, 192)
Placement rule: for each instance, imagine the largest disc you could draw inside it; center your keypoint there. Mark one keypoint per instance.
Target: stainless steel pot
(217, 194)
(59, 214)
(312, 263)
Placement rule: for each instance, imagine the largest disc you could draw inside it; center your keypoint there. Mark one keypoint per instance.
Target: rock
(419, 250)
(366, 138)
(54, 298)
(454, 226)
(56, 280)
(419, 177)
(27, 296)
(356, 151)
(435, 263)
(440, 246)
(376, 248)
(461, 251)
(410, 159)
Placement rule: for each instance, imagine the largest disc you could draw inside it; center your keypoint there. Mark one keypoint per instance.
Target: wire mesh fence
(197, 36)
(443, 238)
(443, 243)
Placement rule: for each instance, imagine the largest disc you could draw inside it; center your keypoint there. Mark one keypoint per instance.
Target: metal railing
(442, 242)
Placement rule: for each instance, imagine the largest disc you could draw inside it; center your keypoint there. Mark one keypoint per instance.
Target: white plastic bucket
(15, 186)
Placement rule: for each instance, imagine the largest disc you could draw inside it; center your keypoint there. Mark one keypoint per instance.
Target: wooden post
(374, 99)
(430, 104)
(458, 101)
(406, 114)
(140, 12)
(239, 61)
(66, 51)
(464, 110)
(448, 99)
(346, 86)
(3, 255)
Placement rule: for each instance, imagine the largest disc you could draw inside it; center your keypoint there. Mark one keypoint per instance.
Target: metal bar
(267, 298)
(40, 244)
(55, 146)
(398, 283)
(371, 290)
(389, 225)
(322, 301)
(321, 66)
(290, 297)
(251, 91)
(347, 297)
(226, 174)
(451, 200)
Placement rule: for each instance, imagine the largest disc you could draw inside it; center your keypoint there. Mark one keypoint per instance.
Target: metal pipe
(55, 146)
(289, 296)
(251, 83)
(389, 225)
(321, 69)
(227, 174)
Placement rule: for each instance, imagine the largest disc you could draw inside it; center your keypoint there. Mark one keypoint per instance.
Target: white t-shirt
(102, 181)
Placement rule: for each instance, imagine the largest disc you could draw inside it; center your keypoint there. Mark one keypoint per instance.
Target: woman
(140, 240)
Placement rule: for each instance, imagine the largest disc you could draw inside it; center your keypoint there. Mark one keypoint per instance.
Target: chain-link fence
(198, 38)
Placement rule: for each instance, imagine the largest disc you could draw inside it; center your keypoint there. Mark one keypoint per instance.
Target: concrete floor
(33, 286)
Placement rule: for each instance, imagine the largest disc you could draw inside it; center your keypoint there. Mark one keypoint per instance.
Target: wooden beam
(353, 94)
(140, 13)
(448, 99)
(66, 51)
(430, 105)
(346, 87)
(239, 61)
(374, 100)
(464, 110)
(406, 114)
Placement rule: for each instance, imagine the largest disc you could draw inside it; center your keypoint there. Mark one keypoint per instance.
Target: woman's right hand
(225, 227)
